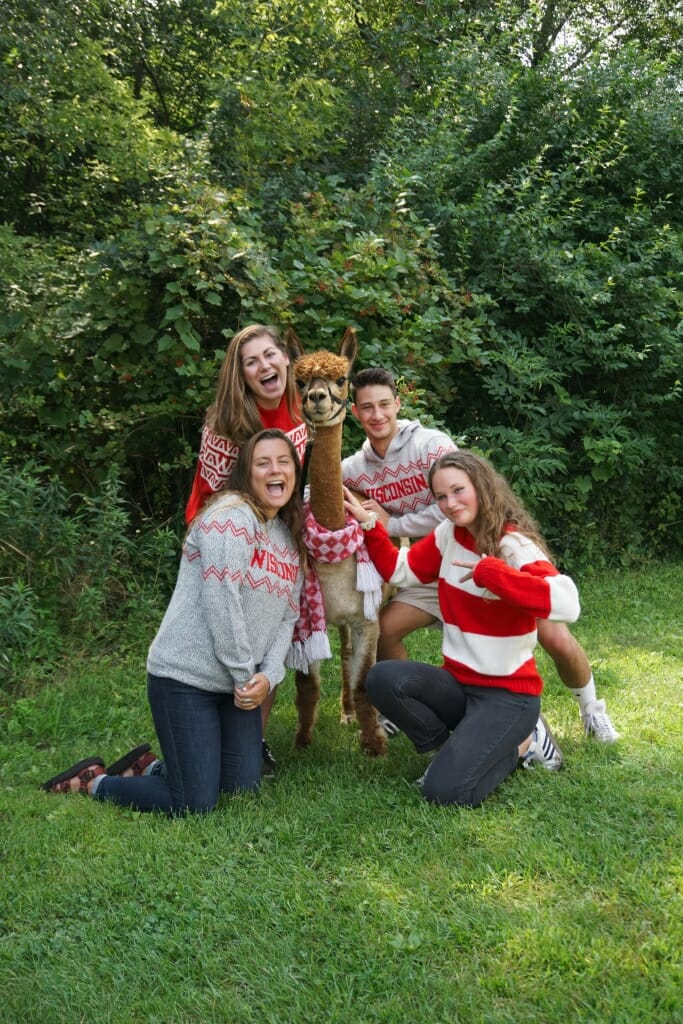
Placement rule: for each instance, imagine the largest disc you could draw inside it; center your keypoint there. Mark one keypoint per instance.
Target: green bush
(71, 570)
(501, 231)
(553, 211)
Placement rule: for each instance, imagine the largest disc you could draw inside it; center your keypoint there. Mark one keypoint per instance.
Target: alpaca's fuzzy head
(320, 364)
(323, 382)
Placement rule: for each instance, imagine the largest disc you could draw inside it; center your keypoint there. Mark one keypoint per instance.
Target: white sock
(586, 694)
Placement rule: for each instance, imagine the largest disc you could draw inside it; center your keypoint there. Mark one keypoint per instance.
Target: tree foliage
(486, 191)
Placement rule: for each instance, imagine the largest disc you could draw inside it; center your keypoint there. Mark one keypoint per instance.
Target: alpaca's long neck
(325, 478)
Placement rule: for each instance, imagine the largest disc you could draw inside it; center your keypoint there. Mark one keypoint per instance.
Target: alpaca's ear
(294, 346)
(348, 346)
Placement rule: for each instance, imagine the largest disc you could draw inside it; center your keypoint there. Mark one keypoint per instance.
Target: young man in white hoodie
(390, 470)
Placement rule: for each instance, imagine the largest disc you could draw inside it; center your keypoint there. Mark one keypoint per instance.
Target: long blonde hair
(234, 413)
(499, 506)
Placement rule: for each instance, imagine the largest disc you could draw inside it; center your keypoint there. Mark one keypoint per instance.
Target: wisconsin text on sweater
(397, 489)
(265, 560)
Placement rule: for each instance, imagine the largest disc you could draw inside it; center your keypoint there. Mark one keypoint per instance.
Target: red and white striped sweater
(489, 631)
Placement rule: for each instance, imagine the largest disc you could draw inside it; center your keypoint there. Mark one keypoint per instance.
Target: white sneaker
(597, 723)
(431, 755)
(543, 749)
(389, 727)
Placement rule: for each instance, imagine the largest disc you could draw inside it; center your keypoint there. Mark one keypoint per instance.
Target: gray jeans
(476, 729)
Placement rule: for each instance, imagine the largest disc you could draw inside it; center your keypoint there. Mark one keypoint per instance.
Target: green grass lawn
(337, 894)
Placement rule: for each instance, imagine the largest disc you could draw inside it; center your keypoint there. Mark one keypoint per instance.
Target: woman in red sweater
(255, 391)
(480, 711)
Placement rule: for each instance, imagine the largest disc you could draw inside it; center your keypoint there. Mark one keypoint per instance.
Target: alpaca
(322, 379)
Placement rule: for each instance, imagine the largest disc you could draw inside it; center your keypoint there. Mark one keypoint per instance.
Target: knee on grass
(448, 795)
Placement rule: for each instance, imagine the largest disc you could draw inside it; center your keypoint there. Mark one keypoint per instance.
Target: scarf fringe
(369, 583)
(303, 653)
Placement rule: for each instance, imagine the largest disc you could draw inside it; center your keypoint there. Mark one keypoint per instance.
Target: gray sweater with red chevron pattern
(398, 482)
(235, 602)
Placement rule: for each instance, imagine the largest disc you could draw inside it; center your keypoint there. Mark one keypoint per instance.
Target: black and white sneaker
(543, 749)
(268, 763)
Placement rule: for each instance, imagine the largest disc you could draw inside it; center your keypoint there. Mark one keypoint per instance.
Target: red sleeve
(198, 495)
(528, 590)
(382, 550)
(422, 559)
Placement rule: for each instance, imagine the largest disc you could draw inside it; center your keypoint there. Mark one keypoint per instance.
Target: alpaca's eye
(301, 384)
(341, 381)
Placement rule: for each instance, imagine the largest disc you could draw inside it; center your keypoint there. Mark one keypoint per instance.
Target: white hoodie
(398, 482)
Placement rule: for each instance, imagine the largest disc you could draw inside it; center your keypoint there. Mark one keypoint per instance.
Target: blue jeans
(209, 745)
(476, 729)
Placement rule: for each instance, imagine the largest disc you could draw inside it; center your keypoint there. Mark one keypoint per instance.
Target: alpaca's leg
(348, 712)
(307, 698)
(373, 739)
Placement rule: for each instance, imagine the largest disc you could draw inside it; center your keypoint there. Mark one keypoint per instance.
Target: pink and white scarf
(310, 641)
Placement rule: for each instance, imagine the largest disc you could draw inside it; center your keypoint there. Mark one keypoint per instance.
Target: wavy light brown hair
(499, 506)
(234, 413)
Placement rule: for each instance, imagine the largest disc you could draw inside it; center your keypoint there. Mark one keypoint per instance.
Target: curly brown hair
(499, 506)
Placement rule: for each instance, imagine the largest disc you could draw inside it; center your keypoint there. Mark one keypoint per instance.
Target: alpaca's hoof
(375, 746)
(346, 718)
(302, 741)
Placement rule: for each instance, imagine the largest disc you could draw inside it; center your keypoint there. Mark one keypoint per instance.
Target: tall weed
(72, 572)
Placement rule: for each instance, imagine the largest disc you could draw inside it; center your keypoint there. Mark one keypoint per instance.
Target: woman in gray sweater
(221, 646)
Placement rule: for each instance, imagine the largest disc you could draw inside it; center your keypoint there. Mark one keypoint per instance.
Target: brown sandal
(84, 771)
(138, 758)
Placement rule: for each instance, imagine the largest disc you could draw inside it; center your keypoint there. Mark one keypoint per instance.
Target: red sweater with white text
(489, 629)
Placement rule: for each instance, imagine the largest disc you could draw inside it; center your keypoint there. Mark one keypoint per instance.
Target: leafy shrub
(71, 571)
(500, 230)
(555, 213)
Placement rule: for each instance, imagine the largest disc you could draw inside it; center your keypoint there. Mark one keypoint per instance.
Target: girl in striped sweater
(479, 711)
